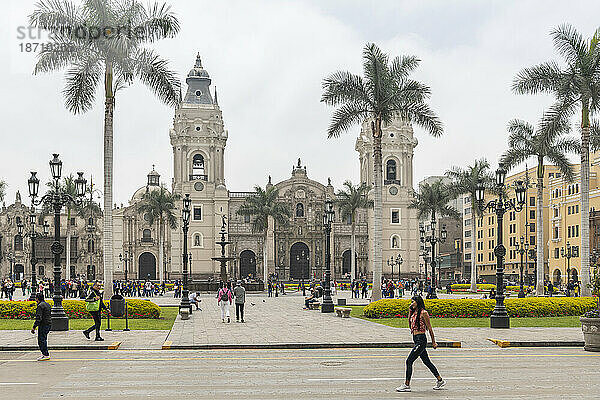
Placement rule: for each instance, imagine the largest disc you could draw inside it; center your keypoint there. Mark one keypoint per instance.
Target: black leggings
(97, 321)
(419, 350)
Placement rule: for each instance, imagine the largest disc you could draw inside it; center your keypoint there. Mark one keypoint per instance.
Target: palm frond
(570, 43)
(342, 87)
(153, 71)
(81, 84)
(422, 115)
(344, 117)
(541, 78)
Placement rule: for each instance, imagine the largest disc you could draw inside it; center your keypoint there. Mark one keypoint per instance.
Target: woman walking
(224, 298)
(94, 306)
(419, 323)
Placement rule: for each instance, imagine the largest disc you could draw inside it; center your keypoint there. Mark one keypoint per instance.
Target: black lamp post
(397, 261)
(433, 240)
(185, 300)
(532, 256)
(327, 306)
(124, 260)
(32, 235)
(522, 248)
(499, 317)
(568, 254)
(57, 199)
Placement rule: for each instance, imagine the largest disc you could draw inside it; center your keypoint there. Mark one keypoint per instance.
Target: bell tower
(198, 139)
(400, 226)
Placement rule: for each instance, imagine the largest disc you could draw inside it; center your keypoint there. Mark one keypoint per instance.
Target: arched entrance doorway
(147, 266)
(556, 277)
(247, 264)
(19, 272)
(346, 262)
(574, 275)
(299, 256)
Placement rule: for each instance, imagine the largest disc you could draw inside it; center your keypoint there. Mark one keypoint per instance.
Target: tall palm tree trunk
(473, 248)
(265, 271)
(161, 265)
(539, 287)
(68, 264)
(585, 204)
(353, 251)
(377, 211)
(107, 242)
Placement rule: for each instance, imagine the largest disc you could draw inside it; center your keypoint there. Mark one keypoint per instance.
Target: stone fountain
(223, 260)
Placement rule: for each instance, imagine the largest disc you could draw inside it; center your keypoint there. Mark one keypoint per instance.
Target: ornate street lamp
(57, 199)
(522, 247)
(397, 261)
(124, 260)
(499, 317)
(433, 240)
(327, 306)
(568, 254)
(185, 300)
(33, 235)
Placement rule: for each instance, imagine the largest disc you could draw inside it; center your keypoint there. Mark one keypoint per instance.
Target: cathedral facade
(295, 251)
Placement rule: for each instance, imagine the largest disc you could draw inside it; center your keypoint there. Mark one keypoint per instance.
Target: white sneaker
(43, 358)
(439, 385)
(403, 388)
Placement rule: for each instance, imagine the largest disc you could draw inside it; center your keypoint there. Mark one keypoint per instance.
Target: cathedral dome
(198, 71)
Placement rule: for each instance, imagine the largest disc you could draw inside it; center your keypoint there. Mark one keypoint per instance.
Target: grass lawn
(165, 322)
(544, 322)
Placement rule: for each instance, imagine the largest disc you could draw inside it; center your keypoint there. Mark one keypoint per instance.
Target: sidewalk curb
(112, 346)
(168, 345)
(545, 343)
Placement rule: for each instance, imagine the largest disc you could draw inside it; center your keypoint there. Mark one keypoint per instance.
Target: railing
(391, 182)
(197, 177)
(241, 194)
(146, 240)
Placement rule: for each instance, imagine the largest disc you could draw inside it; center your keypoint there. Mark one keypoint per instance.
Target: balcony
(392, 182)
(196, 177)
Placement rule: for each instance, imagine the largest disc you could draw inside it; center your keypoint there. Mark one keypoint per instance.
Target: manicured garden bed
(75, 309)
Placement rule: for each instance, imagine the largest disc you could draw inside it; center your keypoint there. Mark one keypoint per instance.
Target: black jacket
(42, 315)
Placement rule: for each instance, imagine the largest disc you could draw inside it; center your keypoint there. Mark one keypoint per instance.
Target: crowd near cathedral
(198, 136)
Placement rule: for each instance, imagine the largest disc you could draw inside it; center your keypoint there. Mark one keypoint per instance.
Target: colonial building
(295, 251)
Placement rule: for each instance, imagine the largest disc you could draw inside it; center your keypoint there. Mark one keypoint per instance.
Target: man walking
(240, 299)
(43, 321)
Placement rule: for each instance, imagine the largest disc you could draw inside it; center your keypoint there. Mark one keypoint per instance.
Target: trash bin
(117, 306)
(341, 302)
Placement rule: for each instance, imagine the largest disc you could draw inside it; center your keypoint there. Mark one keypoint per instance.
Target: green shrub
(136, 309)
(476, 308)
(465, 287)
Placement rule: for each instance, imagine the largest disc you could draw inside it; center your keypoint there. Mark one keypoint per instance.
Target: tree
(158, 206)
(576, 88)
(261, 206)
(3, 186)
(105, 41)
(432, 200)
(350, 200)
(384, 93)
(545, 143)
(464, 182)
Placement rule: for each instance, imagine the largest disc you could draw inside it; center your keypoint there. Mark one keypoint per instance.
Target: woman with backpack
(224, 298)
(419, 323)
(94, 306)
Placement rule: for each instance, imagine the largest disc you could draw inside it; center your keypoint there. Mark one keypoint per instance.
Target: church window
(395, 242)
(197, 213)
(18, 243)
(198, 93)
(90, 246)
(198, 171)
(390, 170)
(299, 210)
(198, 128)
(395, 216)
(146, 235)
(246, 219)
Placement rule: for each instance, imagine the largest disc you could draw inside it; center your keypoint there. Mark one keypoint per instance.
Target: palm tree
(547, 142)
(576, 89)
(464, 182)
(262, 205)
(350, 200)
(432, 200)
(384, 93)
(158, 206)
(114, 56)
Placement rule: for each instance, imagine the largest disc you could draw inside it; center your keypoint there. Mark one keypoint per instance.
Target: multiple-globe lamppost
(57, 198)
(327, 306)
(568, 254)
(433, 240)
(33, 260)
(397, 261)
(499, 317)
(522, 248)
(125, 261)
(185, 300)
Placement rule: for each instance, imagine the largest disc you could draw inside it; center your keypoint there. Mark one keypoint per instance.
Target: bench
(314, 306)
(343, 312)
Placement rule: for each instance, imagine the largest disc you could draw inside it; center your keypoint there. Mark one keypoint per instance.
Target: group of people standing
(226, 297)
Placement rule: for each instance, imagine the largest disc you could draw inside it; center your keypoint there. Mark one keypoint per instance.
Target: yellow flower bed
(476, 308)
(137, 309)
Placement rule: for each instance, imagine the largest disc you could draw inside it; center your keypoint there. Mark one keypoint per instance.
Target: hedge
(137, 309)
(477, 308)
(460, 287)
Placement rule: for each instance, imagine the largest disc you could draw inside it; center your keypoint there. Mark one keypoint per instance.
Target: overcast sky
(268, 59)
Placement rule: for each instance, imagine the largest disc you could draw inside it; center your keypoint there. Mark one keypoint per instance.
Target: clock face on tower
(199, 186)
